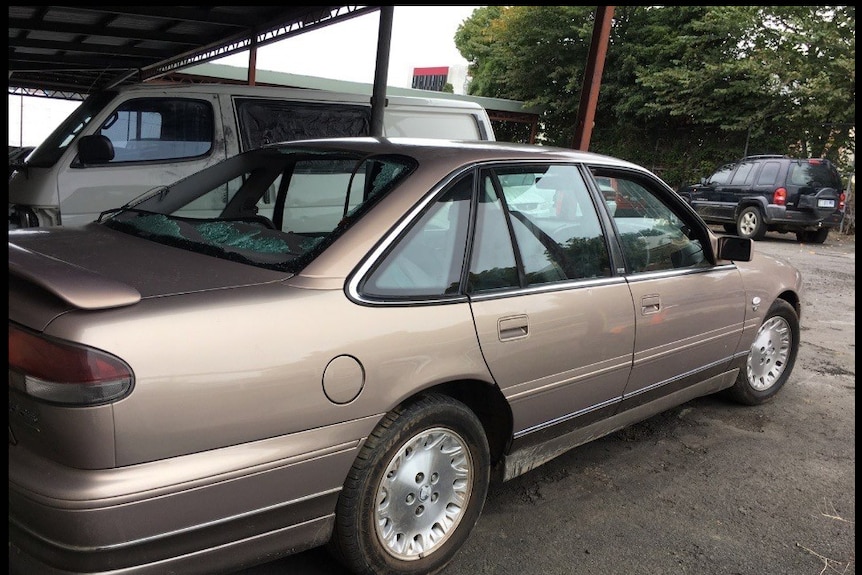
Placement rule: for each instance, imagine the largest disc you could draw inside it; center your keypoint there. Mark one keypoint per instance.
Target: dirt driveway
(709, 488)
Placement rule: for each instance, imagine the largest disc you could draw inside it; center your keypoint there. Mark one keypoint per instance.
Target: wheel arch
(792, 298)
(489, 405)
(756, 201)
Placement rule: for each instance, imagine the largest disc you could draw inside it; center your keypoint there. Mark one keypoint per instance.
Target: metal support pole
(381, 70)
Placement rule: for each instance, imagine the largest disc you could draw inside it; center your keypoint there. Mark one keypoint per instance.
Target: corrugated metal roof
(71, 51)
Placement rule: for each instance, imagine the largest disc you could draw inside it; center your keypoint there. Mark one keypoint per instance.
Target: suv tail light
(841, 199)
(779, 196)
(63, 372)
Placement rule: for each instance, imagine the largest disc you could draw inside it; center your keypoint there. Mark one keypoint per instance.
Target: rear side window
(768, 174)
(263, 121)
(149, 129)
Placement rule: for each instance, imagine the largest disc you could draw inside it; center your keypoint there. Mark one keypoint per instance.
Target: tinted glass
(722, 175)
(744, 174)
(768, 173)
(813, 173)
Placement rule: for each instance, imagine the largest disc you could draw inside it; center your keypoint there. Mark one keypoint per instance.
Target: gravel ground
(708, 488)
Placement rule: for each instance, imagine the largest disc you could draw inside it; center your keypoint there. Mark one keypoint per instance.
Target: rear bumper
(780, 216)
(245, 505)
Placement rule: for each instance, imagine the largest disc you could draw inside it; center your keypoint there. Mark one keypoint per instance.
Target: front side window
(722, 174)
(654, 234)
(159, 129)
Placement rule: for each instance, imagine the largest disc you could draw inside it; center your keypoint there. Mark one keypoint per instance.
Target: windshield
(48, 152)
(275, 207)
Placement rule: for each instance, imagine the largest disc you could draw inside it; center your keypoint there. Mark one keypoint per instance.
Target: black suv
(771, 193)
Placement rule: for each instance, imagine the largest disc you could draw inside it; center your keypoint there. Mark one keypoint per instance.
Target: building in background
(436, 78)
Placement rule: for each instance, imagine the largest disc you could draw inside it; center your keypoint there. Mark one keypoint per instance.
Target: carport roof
(71, 51)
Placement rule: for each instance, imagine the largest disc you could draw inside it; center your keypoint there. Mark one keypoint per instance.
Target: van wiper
(110, 212)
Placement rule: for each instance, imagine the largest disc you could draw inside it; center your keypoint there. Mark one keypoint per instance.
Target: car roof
(467, 151)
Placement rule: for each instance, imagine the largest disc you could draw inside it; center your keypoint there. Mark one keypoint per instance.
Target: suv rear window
(814, 174)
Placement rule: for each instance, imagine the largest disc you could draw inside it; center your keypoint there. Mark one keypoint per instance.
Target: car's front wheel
(415, 491)
(770, 358)
(750, 224)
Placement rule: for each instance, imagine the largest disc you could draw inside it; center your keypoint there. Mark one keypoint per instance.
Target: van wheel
(770, 357)
(414, 492)
(749, 223)
(813, 237)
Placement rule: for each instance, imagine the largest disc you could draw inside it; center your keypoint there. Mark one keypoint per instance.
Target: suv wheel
(749, 223)
(813, 237)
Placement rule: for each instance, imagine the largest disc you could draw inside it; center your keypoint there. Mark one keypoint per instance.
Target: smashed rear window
(275, 208)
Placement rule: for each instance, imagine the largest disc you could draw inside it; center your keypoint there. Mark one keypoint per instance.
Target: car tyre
(770, 358)
(749, 223)
(415, 491)
(813, 237)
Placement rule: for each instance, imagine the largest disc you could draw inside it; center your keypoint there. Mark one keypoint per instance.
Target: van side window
(263, 121)
(148, 129)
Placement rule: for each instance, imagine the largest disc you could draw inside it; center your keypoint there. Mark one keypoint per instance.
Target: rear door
(555, 325)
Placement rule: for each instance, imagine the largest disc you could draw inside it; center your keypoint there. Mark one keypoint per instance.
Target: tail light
(841, 199)
(779, 197)
(62, 372)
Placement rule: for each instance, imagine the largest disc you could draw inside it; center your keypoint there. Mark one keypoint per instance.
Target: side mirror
(96, 149)
(734, 248)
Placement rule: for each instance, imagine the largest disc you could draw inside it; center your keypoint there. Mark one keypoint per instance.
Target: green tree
(684, 88)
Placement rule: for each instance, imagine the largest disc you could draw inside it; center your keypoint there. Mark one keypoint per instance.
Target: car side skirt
(527, 454)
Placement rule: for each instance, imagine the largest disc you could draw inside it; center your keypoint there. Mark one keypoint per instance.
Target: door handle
(515, 327)
(650, 304)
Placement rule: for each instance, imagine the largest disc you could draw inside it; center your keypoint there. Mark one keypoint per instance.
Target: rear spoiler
(82, 288)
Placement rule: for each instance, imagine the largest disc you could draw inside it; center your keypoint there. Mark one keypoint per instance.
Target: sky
(422, 36)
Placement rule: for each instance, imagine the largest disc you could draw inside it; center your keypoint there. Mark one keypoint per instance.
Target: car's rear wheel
(813, 237)
(770, 358)
(415, 491)
(750, 224)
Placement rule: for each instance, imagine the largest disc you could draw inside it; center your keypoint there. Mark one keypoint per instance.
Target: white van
(118, 144)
